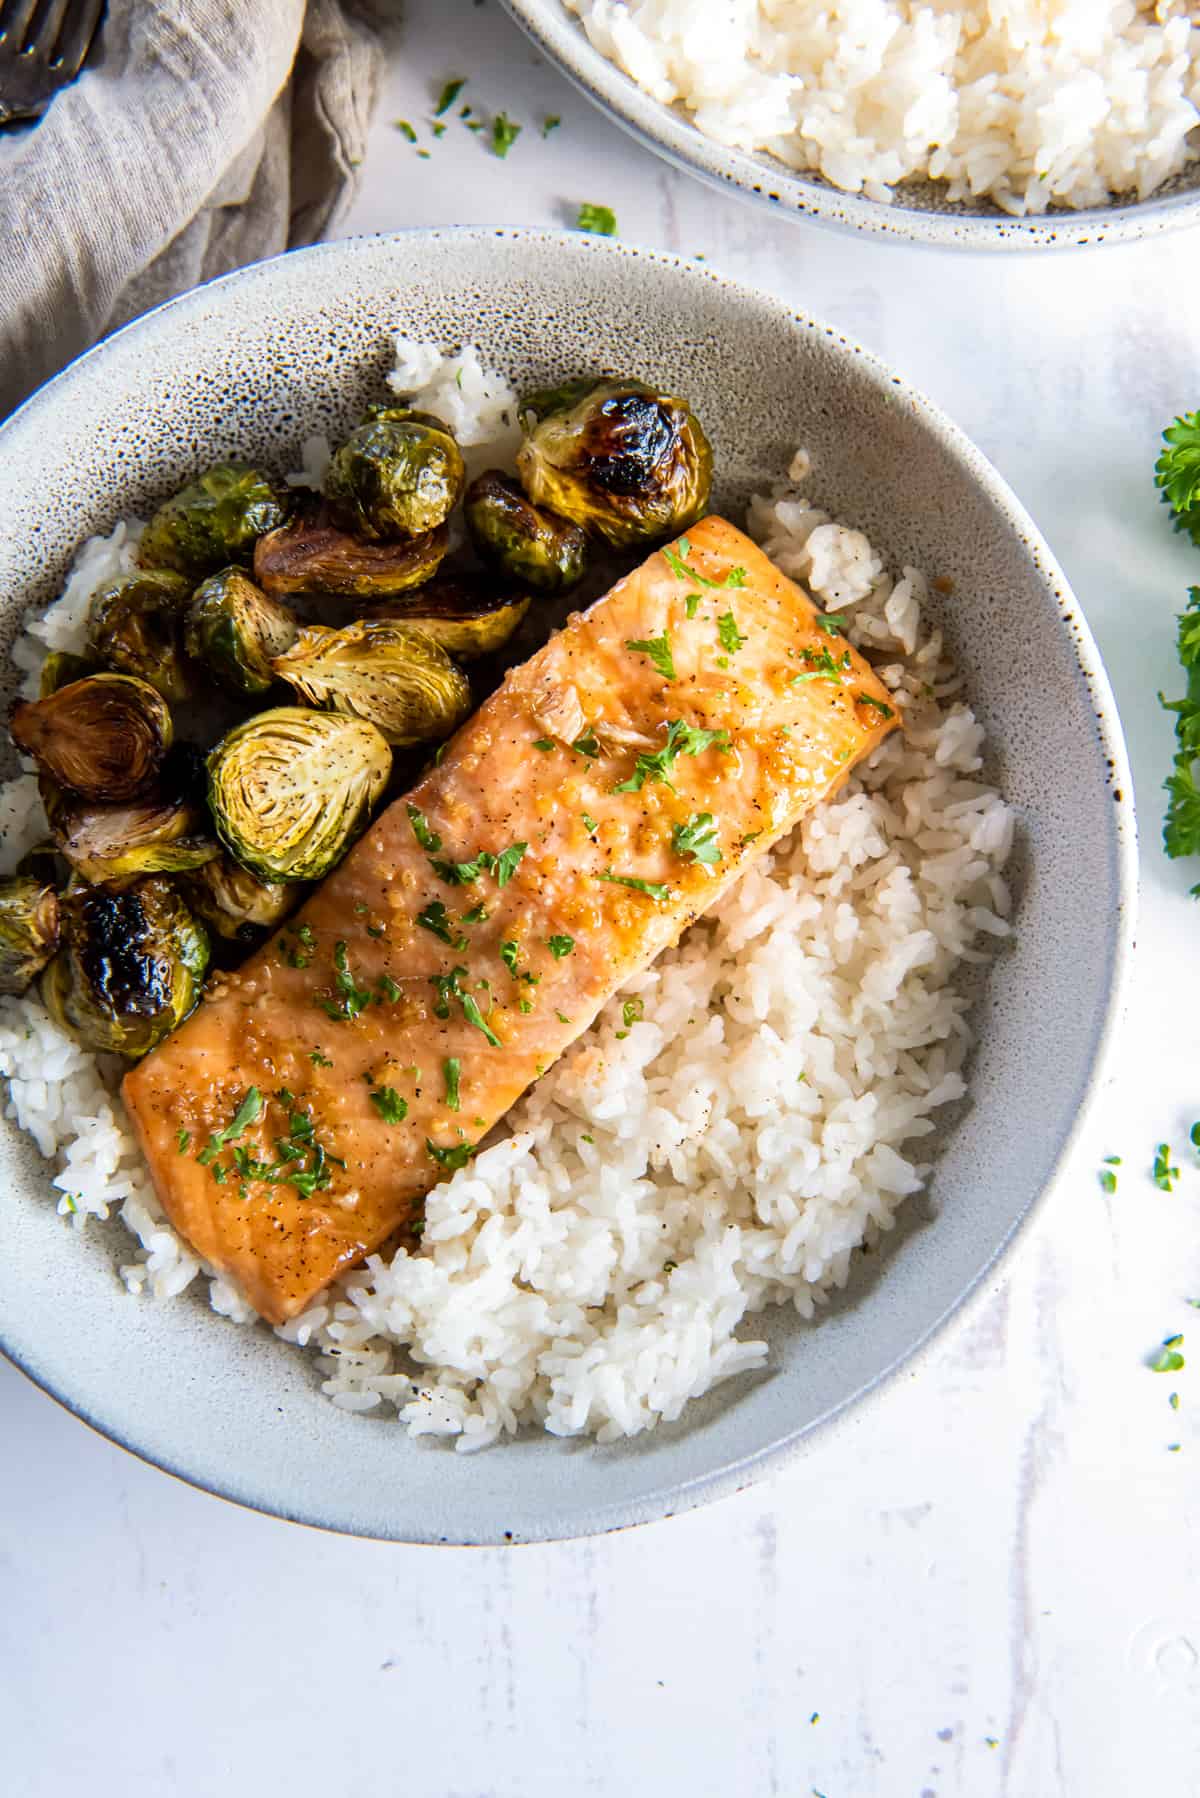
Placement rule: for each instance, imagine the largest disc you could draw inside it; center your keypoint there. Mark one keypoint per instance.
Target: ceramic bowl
(920, 214)
(252, 364)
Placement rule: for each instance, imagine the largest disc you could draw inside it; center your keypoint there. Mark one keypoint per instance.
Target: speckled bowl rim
(736, 1474)
(761, 179)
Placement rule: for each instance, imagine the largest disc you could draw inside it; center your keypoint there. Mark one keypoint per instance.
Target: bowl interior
(256, 362)
(920, 213)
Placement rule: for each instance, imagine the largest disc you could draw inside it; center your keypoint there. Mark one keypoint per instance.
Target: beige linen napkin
(205, 135)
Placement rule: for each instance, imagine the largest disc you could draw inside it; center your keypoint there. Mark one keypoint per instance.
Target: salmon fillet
(607, 794)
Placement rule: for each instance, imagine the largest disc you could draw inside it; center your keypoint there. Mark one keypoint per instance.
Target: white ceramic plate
(920, 213)
(252, 364)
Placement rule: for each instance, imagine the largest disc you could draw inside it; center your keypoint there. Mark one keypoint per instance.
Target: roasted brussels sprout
(136, 626)
(397, 678)
(235, 630)
(29, 925)
(113, 845)
(313, 556)
(130, 969)
(529, 545)
(215, 520)
(463, 612)
(237, 904)
(291, 789)
(626, 463)
(399, 474)
(104, 737)
(61, 668)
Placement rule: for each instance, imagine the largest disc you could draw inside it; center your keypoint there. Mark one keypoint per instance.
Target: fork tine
(46, 28)
(76, 37)
(14, 23)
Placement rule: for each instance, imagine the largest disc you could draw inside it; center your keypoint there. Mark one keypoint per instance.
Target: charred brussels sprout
(237, 904)
(130, 969)
(29, 926)
(625, 463)
(312, 556)
(463, 612)
(215, 520)
(529, 545)
(113, 845)
(291, 789)
(235, 630)
(61, 668)
(397, 678)
(399, 474)
(104, 737)
(136, 626)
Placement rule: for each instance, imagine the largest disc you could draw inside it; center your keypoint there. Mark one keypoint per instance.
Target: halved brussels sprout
(136, 626)
(313, 556)
(112, 845)
(104, 737)
(624, 462)
(399, 474)
(531, 546)
(29, 927)
(130, 969)
(462, 612)
(61, 668)
(396, 677)
(237, 904)
(215, 520)
(291, 789)
(235, 630)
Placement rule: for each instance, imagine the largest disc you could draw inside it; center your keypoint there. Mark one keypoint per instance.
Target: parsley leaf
(474, 1016)
(691, 605)
(1168, 1359)
(452, 1068)
(447, 986)
(504, 865)
(831, 622)
(182, 1139)
(544, 743)
(633, 1011)
(682, 739)
(587, 745)
(727, 629)
(435, 919)
(659, 651)
(550, 123)
(451, 1159)
(676, 560)
(590, 824)
(354, 998)
(1177, 473)
(448, 96)
(388, 1103)
(601, 220)
(247, 1113)
(406, 130)
(1181, 826)
(560, 946)
(504, 134)
(876, 705)
(697, 838)
(1164, 1174)
(508, 955)
(653, 889)
(428, 839)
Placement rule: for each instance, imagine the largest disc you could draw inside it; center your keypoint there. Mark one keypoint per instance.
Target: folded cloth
(206, 134)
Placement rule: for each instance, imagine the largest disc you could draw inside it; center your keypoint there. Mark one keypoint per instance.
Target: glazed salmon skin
(604, 797)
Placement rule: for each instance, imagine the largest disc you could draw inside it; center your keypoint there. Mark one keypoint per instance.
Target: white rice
(742, 1118)
(1030, 103)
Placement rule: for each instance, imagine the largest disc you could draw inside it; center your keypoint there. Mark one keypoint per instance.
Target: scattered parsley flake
(1108, 1180)
(1164, 1174)
(560, 946)
(727, 630)
(1168, 1358)
(388, 1103)
(587, 745)
(544, 743)
(550, 123)
(676, 559)
(318, 1059)
(697, 838)
(182, 1140)
(508, 955)
(477, 915)
(590, 824)
(1173, 1400)
(877, 705)
(562, 1017)
(691, 605)
(388, 988)
(600, 220)
(474, 1016)
(448, 96)
(428, 839)
(452, 1068)
(354, 998)
(633, 1011)
(658, 649)
(682, 739)
(406, 130)
(451, 1159)
(653, 889)
(436, 920)
(505, 133)
(831, 622)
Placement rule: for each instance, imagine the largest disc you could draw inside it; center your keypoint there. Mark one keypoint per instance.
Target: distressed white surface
(1003, 1550)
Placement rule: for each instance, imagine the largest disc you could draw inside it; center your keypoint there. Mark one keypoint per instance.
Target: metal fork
(43, 46)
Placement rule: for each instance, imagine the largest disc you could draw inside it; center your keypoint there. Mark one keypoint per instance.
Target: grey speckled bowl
(921, 213)
(252, 364)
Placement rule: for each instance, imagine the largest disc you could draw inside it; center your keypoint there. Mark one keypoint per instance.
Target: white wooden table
(991, 1585)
